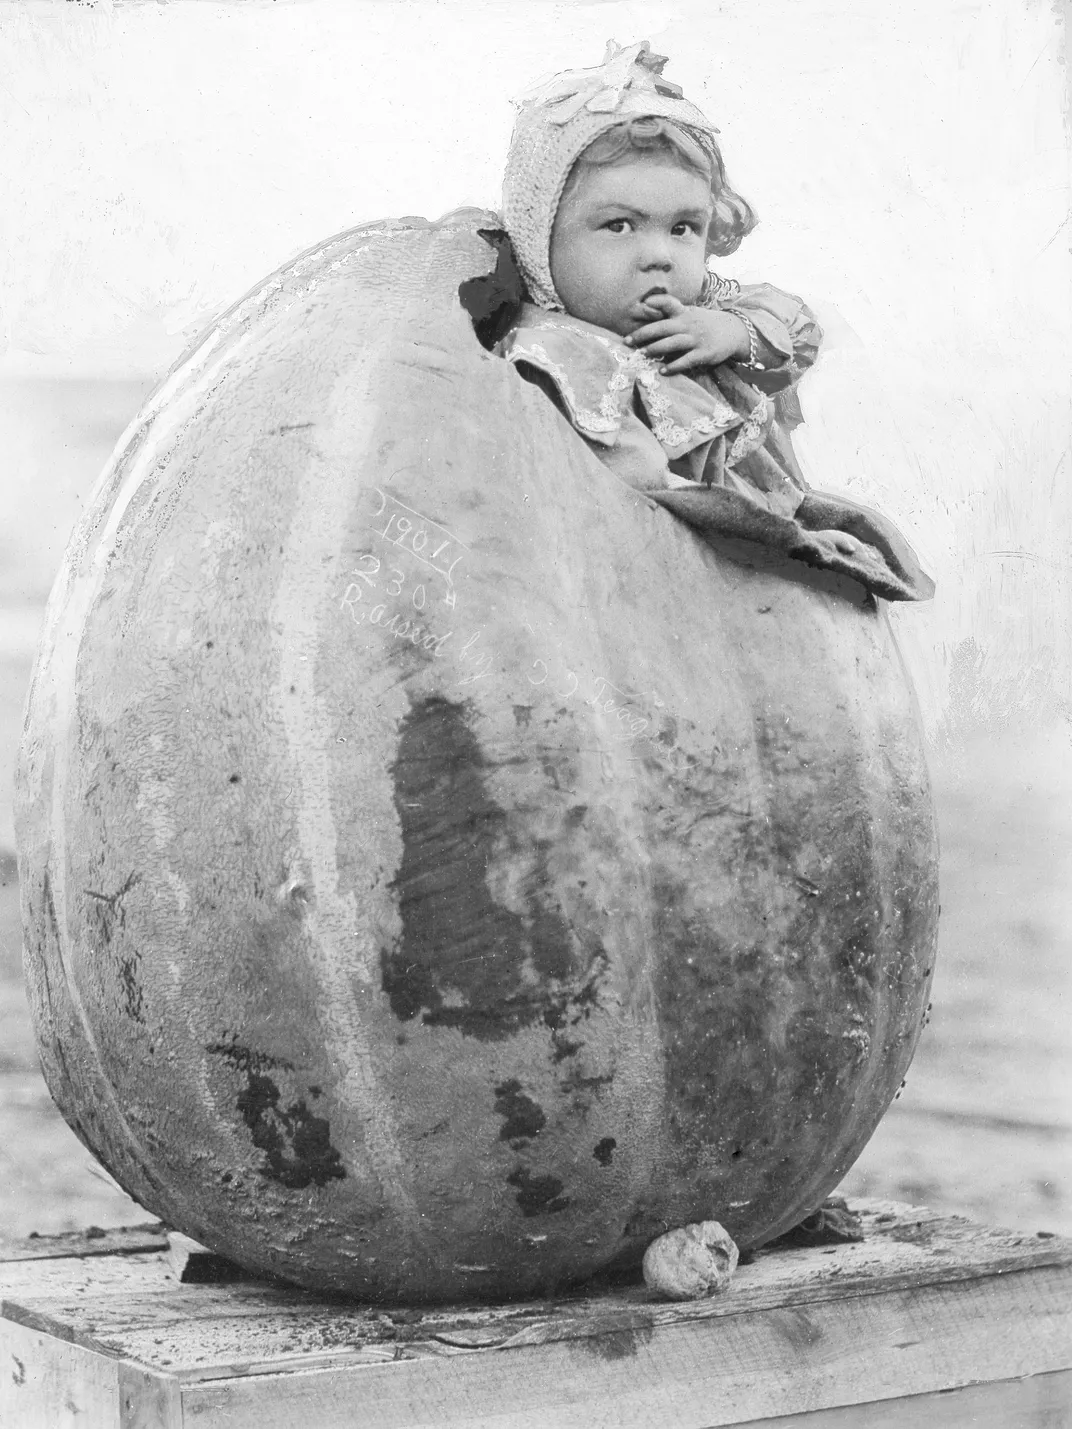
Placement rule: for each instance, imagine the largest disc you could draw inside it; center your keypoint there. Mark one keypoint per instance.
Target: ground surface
(984, 1125)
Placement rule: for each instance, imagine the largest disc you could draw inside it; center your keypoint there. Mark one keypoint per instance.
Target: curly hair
(733, 218)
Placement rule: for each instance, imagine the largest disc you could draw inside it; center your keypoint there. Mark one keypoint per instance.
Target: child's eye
(617, 225)
(679, 230)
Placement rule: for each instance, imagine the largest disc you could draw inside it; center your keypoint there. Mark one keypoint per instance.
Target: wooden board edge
(49, 1381)
(148, 1398)
(15, 1313)
(1040, 1400)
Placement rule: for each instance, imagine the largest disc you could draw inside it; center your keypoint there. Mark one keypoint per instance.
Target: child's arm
(787, 332)
(771, 334)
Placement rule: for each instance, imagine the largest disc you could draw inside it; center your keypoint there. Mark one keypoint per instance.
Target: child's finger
(651, 332)
(675, 342)
(665, 303)
(684, 363)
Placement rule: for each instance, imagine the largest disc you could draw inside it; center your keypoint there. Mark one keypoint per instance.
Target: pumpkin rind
(442, 872)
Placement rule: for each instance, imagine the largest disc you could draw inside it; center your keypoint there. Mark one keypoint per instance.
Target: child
(681, 382)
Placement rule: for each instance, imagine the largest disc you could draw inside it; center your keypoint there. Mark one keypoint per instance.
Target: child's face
(628, 230)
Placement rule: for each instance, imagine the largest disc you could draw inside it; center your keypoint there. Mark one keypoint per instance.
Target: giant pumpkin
(442, 870)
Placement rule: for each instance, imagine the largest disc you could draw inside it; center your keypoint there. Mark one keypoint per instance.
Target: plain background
(910, 164)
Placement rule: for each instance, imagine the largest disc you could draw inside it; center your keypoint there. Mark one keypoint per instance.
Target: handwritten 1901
(406, 530)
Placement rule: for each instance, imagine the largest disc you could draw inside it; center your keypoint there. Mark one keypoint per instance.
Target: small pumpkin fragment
(692, 1262)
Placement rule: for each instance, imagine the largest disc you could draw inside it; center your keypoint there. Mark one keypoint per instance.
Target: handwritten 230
(433, 545)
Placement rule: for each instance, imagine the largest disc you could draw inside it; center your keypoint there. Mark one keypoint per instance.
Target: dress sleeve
(789, 335)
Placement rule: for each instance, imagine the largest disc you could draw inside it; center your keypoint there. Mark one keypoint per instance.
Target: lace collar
(597, 376)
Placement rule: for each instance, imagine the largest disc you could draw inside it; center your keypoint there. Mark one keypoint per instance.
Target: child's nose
(657, 253)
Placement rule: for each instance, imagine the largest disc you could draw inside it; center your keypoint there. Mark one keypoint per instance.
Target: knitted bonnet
(557, 122)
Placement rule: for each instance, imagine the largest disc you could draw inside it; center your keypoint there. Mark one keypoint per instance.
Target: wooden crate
(929, 1321)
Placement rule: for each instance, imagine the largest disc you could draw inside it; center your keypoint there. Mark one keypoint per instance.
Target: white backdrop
(909, 162)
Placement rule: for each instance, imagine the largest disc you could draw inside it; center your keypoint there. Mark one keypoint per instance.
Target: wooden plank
(46, 1383)
(210, 1328)
(86, 1276)
(924, 1302)
(1042, 1401)
(124, 1240)
(697, 1374)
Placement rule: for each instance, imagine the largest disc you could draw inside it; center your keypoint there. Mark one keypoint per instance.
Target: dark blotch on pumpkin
(575, 1082)
(523, 1118)
(537, 1195)
(296, 1143)
(463, 960)
(132, 991)
(604, 1151)
(563, 1047)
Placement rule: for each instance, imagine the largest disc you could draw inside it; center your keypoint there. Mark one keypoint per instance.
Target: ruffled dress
(714, 446)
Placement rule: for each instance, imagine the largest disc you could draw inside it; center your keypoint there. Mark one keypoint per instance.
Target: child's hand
(690, 337)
